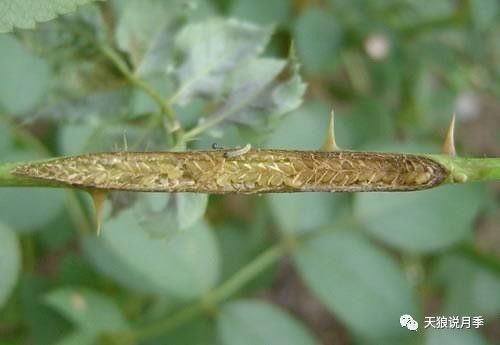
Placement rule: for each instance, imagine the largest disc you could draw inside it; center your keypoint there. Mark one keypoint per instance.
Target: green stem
(7, 179)
(249, 272)
(489, 261)
(204, 126)
(464, 170)
(214, 297)
(165, 106)
(214, 120)
(164, 326)
(166, 109)
(29, 253)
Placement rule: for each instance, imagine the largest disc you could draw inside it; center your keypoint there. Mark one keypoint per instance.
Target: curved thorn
(449, 141)
(330, 144)
(98, 198)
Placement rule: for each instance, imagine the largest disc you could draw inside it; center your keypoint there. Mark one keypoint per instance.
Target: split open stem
(460, 170)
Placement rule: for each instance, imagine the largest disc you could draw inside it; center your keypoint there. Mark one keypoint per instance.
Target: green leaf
(358, 282)
(354, 12)
(66, 41)
(44, 324)
(454, 337)
(434, 102)
(415, 12)
(78, 338)
(421, 221)
(370, 121)
(10, 262)
(318, 37)
(58, 232)
(142, 103)
(287, 96)
(253, 76)
(158, 58)
(5, 140)
(249, 88)
(200, 331)
(90, 311)
(300, 212)
(210, 50)
(261, 92)
(185, 264)
(262, 11)
(190, 209)
(469, 288)
(74, 139)
(255, 322)
(75, 270)
(109, 264)
(240, 244)
(139, 25)
(24, 78)
(25, 14)
(306, 129)
(147, 30)
(484, 13)
(28, 209)
(182, 211)
(89, 108)
(79, 138)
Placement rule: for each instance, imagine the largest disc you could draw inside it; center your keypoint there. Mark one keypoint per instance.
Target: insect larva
(237, 152)
(240, 171)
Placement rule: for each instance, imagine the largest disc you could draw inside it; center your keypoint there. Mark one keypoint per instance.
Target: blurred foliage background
(274, 269)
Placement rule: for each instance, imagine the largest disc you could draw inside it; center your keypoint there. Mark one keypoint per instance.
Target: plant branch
(214, 297)
(216, 119)
(250, 271)
(464, 170)
(165, 106)
(8, 179)
(458, 170)
(489, 261)
(223, 291)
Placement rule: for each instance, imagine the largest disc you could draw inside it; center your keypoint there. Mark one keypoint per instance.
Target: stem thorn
(449, 141)
(330, 144)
